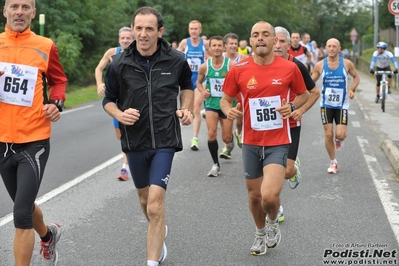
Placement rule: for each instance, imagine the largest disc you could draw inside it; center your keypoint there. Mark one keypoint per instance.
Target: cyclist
(381, 59)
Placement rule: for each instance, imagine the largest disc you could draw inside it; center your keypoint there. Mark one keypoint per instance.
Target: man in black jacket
(147, 80)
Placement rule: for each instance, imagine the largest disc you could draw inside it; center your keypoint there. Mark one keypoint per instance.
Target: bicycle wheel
(384, 93)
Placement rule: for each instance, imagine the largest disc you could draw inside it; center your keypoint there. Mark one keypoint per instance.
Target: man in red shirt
(264, 82)
(300, 52)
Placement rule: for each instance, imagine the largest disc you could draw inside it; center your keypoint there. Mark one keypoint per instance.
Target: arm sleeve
(55, 76)
(299, 86)
(395, 63)
(111, 86)
(373, 59)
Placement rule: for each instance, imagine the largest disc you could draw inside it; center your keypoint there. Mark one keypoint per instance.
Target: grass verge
(77, 96)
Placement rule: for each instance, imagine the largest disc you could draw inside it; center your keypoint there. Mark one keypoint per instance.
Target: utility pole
(375, 22)
(42, 21)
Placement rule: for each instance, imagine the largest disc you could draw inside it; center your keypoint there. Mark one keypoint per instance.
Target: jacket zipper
(150, 109)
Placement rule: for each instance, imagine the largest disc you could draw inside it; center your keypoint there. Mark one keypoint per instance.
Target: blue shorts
(151, 167)
(116, 122)
(255, 158)
(194, 77)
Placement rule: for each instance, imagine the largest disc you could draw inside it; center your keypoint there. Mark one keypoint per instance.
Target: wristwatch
(58, 103)
(292, 107)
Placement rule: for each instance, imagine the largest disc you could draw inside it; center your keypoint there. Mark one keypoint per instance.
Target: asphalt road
(208, 218)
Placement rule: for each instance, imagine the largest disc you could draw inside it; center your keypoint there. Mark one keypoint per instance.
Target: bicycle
(383, 86)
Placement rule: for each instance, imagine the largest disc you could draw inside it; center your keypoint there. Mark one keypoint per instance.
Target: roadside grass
(367, 54)
(76, 96)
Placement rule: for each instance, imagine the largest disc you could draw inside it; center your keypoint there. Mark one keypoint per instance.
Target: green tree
(69, 48)
(385, 19)
(84, 30)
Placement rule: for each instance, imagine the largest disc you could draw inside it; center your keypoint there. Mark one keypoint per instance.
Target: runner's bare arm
(182, 45)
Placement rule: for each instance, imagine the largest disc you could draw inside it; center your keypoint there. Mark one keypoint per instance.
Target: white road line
(77, 109)
(355, 124)
(9, 217)
(365, 115)
(385, 193)
(351, 112)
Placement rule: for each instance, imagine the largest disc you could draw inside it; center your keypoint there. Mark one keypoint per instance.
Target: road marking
(355, 124)
(365, 115)
(77, 109)
(382, 186)
(9, 217)
(351, 112)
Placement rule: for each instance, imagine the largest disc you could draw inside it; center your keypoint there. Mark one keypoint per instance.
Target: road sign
(393, 7)
(396, 20)
(354, 34)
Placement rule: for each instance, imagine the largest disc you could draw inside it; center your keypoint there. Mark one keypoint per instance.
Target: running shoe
(333, 168)
(123, 175)
(298, 162)
(48, 249)
(389, 90)
(215, 171)
(225, 154)
(339, 144)
(273, 235)
(230, 145)
(377, 98)
(296, 179)
(280, 214)
(194, 144)
(238, 139)
(164, 249)
(259, 246)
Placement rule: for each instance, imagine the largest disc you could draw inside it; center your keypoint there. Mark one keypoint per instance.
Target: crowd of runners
(257, 87)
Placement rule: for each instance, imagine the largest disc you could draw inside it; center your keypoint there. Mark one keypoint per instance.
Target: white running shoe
(333, 168)
(259, 246)
(273, 235)
(49, 249)
(215, 171)
(339, 144)
(280, 215)
(296, 179)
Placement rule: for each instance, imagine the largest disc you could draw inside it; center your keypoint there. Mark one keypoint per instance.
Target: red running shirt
(262, 89)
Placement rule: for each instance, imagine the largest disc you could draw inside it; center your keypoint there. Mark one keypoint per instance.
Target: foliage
(69, 47)
(386, 19)
(368, 39)
(84, 30)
